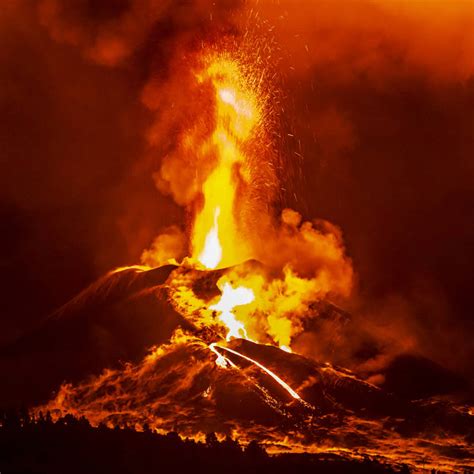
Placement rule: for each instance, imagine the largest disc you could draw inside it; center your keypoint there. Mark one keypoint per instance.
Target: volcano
(195, 382)
(207, 335)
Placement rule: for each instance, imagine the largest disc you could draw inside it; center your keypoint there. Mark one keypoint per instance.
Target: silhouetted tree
(255, 451)
(173, 437)
(231, 446)
(211, 440)
(46, 446)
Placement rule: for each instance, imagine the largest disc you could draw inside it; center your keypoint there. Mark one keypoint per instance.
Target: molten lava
(231, 298)
(258, 364)
(217, 240)
(211, 254)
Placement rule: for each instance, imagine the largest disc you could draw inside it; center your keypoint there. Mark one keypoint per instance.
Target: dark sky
(380, 102)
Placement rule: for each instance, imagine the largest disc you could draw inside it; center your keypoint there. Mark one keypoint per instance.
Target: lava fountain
(261, 263)
(217, 240)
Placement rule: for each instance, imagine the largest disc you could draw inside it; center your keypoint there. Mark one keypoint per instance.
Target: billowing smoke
(315, 250)
(169, 246)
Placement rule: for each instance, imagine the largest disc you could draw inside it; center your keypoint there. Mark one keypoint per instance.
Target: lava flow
(247, 289)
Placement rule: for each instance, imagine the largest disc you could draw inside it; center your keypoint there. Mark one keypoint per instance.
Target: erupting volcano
(239, 285)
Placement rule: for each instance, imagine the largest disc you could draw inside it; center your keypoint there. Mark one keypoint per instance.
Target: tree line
(72, 445)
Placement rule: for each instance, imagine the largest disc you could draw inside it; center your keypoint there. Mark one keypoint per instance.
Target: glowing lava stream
(220, 361)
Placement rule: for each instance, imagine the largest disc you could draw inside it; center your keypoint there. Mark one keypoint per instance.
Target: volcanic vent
(237, 288)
